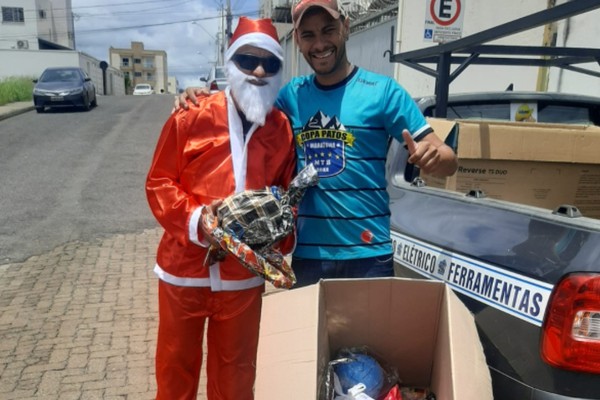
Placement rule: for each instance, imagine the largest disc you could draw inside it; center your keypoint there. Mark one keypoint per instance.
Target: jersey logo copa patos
(324, 140)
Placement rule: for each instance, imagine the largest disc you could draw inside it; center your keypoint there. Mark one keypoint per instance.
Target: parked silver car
(217, 79)
(64, 87)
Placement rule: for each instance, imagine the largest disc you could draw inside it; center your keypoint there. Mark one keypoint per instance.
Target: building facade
(36, 25)
(142, 66)
(381, 27)
(173, 85)
(37, 34)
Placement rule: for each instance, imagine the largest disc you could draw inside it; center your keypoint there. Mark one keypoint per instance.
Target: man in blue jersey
(342, 117)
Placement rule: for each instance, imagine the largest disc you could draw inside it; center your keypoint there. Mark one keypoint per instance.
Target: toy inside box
(542, 165)
(418, 327)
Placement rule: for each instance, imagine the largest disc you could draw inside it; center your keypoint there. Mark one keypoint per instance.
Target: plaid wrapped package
(256, 217)
(249, 223)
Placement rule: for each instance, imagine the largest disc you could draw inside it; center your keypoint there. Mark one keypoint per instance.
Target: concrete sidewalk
(12, 109)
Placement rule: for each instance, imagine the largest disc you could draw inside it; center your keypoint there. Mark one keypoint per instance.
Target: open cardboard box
(419, 327)
(542, 165)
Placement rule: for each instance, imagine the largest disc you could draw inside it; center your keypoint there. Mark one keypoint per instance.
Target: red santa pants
(232, 340)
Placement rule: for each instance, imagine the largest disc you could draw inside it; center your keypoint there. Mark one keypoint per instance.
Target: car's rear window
(548, 113)
(59, 75)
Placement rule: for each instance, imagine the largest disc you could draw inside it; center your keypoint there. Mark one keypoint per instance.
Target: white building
(173, 85)
(36, 24)
(142, 66)
(36, 34)
(381, 27)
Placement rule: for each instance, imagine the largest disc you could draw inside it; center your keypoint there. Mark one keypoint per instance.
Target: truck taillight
(571, 330)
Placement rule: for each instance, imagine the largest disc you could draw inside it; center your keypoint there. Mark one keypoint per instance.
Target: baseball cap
(331, 6)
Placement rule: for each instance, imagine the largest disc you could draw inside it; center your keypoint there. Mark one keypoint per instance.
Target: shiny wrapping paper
(249, 224)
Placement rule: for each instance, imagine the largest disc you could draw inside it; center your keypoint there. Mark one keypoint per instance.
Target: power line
(82, 32)
(144, 26)
(127, 3)
(122, 28)
(136, 11)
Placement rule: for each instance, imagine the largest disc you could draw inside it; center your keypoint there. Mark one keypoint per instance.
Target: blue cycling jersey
(344, 130)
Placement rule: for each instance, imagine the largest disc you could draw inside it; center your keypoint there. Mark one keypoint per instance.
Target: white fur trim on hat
(256, 39)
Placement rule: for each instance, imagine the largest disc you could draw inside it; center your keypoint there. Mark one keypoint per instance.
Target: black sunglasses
(248, 62)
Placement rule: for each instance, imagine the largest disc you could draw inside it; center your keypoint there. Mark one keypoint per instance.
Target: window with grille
(12, 14)
(148, 62)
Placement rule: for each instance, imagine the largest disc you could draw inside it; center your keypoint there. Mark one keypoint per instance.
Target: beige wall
(32, 63)
(173, 85)
(151, 69)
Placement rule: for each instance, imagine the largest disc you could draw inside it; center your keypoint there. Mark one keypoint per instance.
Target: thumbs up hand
(423, 154)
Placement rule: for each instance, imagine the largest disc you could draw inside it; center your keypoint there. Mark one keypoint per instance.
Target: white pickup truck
(530, 275)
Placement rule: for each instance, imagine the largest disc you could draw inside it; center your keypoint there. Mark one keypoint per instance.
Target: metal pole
(229, 18)
(442, 85)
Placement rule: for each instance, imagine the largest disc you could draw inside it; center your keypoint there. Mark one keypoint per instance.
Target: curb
(15, 111)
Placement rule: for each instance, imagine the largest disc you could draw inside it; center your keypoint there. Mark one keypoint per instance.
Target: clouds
(186, 29)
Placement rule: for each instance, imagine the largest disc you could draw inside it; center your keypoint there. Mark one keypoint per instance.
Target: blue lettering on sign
(494, 288)
(419, 258)
(518, 295)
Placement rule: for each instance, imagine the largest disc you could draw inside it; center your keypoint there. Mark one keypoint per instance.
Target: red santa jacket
(201, 156)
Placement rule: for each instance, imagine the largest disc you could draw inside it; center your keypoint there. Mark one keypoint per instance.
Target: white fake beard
(254, 101)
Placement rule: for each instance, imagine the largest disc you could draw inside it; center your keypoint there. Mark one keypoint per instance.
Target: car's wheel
(39, 109)
(86, 103)
(95, 101)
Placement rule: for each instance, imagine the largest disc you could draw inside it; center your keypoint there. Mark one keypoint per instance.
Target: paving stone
(80, 321)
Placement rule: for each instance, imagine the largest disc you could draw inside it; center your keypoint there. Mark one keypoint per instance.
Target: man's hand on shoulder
(191, 94)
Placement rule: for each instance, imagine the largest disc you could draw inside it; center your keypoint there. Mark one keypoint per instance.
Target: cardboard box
(419, 326)
(542, 165)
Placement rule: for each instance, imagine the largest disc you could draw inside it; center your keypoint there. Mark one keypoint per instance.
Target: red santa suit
(202, 156)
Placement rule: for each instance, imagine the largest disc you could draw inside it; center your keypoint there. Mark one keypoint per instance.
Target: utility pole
(224, 33)
(229, 18)
(548, 40)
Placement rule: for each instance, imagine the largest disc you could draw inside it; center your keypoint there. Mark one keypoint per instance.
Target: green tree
(127, 83)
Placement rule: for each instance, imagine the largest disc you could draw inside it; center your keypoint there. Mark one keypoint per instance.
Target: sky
(186, 29)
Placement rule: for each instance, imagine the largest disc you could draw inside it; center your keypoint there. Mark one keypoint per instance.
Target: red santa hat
(255, 32)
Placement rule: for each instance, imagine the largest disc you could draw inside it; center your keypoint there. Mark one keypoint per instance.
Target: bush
(14, 89)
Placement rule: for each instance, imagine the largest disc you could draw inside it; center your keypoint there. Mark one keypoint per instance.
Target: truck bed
(504, 260)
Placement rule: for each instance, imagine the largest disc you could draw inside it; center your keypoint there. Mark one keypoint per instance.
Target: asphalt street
(79, 322)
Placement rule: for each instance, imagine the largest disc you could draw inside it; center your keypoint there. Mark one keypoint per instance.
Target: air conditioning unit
(22, 44)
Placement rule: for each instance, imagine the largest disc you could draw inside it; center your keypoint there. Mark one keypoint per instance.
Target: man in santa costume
(232, 141)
